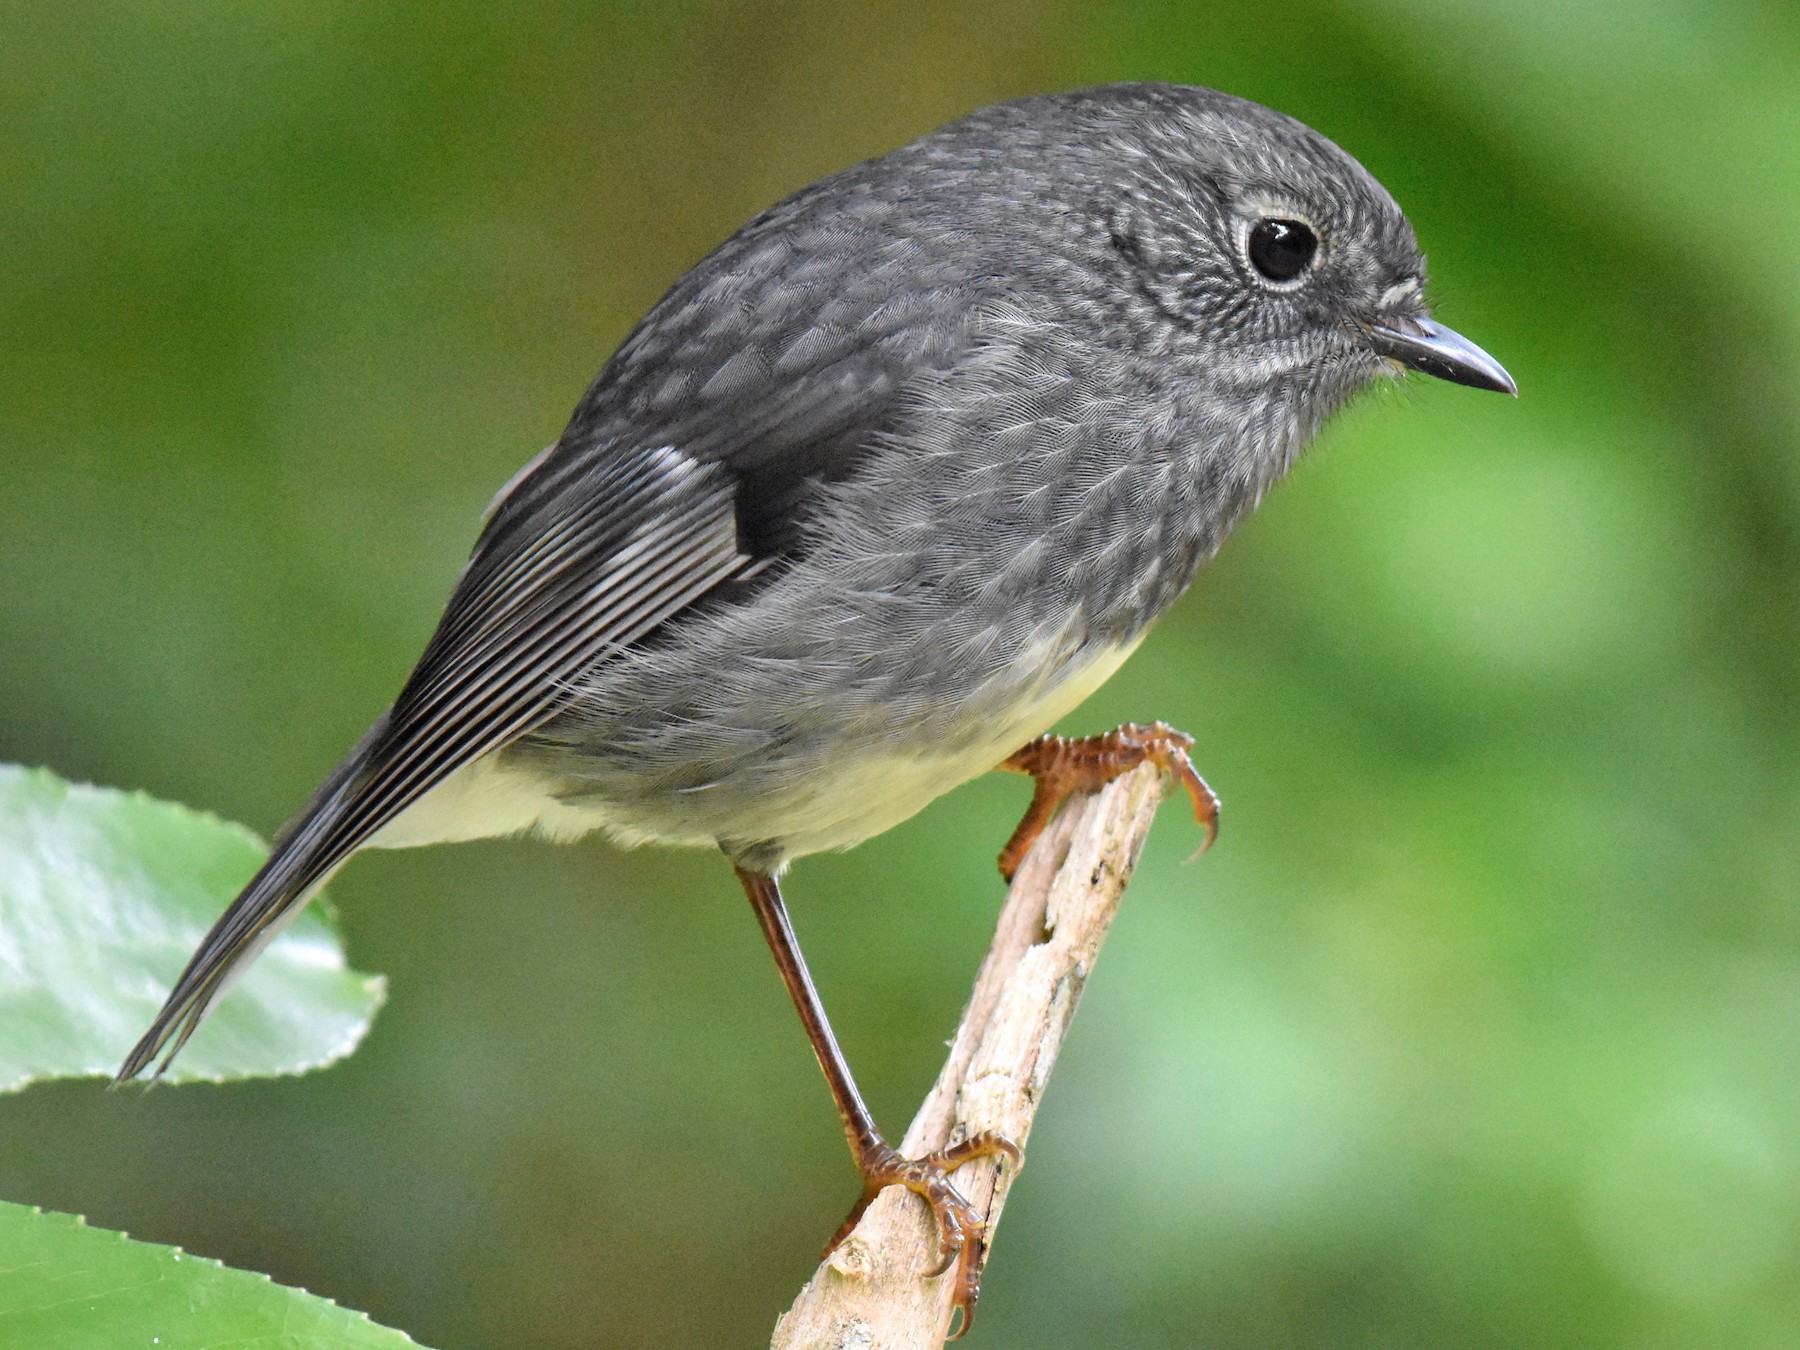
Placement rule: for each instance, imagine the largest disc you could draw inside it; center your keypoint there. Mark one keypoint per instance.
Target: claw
(949, 1248)
(1063, 766)
(960, 1226)
(1206, 802)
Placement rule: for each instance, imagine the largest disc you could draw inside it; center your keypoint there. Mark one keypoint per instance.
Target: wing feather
(750, 391)
(518, 630)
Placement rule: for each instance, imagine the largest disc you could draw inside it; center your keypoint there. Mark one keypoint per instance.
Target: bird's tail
(306, 853)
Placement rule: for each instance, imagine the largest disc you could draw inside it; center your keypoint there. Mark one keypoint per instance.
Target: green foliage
(72, 1287)
(103, 896)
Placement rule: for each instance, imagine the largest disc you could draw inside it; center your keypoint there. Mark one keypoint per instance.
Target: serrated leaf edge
(372, 984)
(177, 1253)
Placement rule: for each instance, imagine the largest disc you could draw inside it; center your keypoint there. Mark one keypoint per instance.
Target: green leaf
(67, 1285)
(103, 897)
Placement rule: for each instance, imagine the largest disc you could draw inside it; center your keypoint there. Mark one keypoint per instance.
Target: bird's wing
(690, 461)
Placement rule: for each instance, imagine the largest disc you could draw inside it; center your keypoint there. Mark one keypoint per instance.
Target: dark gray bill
(1427, 345)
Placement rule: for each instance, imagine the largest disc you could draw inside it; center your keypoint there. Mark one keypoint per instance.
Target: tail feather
(306, 854)
(276, 894)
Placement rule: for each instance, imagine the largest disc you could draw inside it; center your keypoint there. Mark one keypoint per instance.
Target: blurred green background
(1480, 1027)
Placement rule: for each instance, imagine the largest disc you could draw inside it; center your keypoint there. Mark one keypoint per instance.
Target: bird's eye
(1281, 249)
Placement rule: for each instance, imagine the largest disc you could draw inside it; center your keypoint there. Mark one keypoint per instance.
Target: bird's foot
(961, 1228)
(1064, 766)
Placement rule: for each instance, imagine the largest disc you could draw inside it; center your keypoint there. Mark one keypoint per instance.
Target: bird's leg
(960, 1226)
(1063, 766)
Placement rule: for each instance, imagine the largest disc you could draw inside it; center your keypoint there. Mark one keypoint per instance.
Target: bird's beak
(1429, 346)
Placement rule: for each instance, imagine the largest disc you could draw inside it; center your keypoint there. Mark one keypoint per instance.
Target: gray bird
(881, 489)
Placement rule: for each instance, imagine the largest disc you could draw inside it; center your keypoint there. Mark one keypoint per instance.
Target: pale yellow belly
(834, 805)
(872, 793)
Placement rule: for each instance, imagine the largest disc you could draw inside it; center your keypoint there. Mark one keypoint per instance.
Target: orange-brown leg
(1064, 766)
(961, 1227)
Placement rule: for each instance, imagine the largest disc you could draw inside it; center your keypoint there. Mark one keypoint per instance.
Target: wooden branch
(872, 1293)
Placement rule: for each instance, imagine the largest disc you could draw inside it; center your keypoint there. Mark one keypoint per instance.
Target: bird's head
(1276, 254)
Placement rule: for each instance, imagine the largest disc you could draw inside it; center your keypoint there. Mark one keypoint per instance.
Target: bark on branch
(873, 1294)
